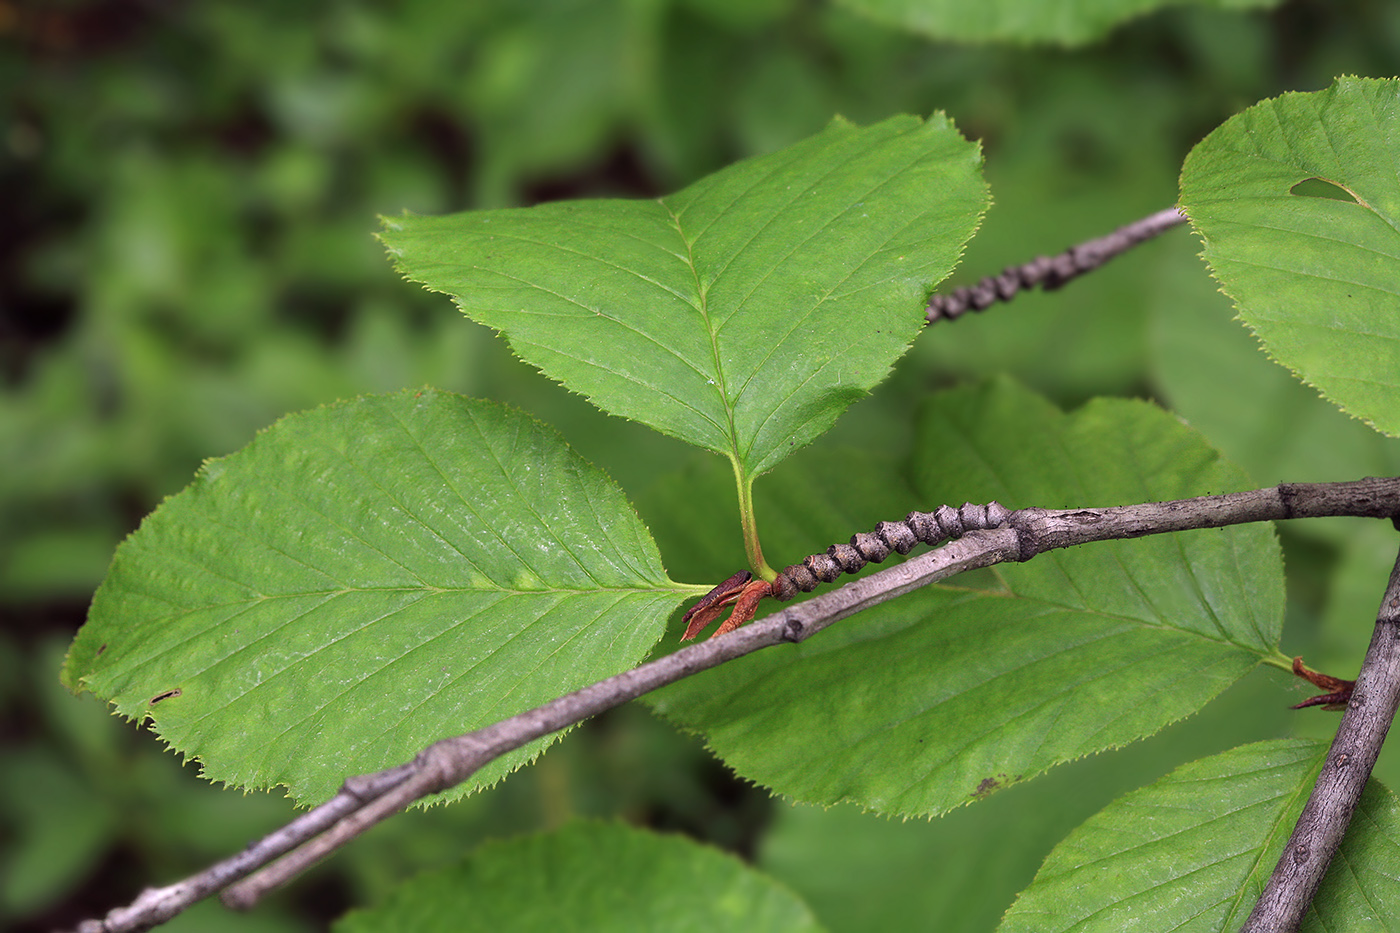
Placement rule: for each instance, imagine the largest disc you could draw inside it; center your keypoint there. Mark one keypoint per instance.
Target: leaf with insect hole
(1298, 203)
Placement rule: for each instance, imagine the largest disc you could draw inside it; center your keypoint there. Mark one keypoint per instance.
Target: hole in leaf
(1320, 188)
(166, 695)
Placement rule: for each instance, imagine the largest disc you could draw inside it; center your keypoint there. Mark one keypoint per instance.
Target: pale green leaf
(1063, 22)
(743, 314)
(591, 878)
(1192, 852)
(1298, 203)
(364, 579)
(946, 695)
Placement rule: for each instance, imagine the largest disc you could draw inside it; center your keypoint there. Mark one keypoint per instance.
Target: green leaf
(958, 874)
(743, 314)
(1065, 22)
(364, 579)
(1209, 370)
(946, 695)
(1315, 277)
(1193, 851)
(804, 506)
(1359, 892)
(594, 877)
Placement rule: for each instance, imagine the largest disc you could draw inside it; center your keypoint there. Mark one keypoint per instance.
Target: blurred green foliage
(190, 192)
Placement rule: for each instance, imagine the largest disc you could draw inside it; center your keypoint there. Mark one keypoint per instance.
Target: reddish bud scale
(744, 593)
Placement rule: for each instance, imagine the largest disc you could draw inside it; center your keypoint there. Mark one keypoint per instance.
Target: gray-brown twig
(1050, 272)
(1327, 814)
(366, 800)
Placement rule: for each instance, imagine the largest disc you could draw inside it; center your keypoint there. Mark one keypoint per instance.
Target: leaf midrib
(703, 306)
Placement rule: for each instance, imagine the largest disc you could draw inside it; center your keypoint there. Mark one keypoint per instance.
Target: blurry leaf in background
(743, 314)
(1312, 269)
(743, 16)
(57, 521)
(365, 579)
(155, 256)
(57, 835)
(551, 86)
(1224, 821)
(82, 798)
(1064, 22)
(953, 692)
(589, 876)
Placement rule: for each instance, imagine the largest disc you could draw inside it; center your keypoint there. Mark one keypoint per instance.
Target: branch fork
(982, 536)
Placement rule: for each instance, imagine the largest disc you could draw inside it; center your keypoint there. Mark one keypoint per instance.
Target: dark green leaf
(594, 877)
(959, 873)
